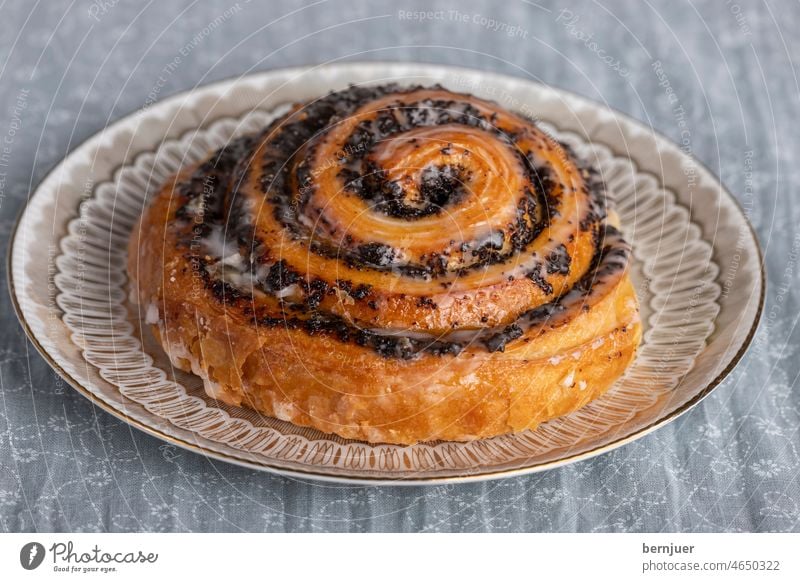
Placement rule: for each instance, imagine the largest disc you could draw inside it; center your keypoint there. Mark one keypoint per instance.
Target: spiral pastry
(393, 265)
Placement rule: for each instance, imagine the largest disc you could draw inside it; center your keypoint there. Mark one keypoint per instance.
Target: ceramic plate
(697, 272)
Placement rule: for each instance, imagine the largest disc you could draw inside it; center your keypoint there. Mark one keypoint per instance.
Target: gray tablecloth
(732, 463)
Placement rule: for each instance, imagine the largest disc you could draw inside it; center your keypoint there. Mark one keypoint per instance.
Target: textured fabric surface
(732, 463)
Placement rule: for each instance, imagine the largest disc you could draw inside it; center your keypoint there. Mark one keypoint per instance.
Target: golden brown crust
(261, 347)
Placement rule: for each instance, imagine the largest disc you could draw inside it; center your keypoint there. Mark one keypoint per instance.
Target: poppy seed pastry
(391, 264)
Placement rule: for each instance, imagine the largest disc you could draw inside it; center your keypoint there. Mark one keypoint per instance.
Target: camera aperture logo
(31, 555)
(66, 558)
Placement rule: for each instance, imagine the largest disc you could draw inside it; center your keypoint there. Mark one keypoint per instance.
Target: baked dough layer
(261, 277)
